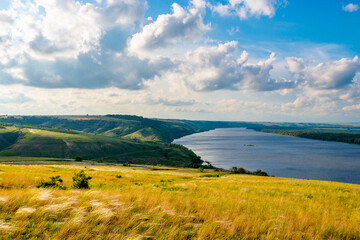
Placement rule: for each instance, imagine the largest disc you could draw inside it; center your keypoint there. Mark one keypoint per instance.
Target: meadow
(155, 202)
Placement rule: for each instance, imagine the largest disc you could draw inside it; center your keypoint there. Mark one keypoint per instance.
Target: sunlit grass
(8, 129)
(56, 135)
(173, 204)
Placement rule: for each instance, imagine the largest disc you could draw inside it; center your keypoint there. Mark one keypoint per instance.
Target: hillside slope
(32, 142)
(124, 126)
(8, 136)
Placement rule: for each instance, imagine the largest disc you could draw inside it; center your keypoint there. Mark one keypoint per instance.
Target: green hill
(32, 142)
(160, 130)
(125, 126)
(116, 138)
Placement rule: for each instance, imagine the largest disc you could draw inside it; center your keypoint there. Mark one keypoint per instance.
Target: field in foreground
(143, 202)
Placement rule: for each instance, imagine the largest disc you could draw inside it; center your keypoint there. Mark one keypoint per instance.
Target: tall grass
(173, 204)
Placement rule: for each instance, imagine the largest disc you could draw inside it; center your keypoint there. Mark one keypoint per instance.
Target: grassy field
(144, 202)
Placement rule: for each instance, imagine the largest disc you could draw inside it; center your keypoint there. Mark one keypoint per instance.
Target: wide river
(278, 155)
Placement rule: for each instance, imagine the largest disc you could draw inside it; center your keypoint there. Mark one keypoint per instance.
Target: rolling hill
(124, 126)
(33, 142)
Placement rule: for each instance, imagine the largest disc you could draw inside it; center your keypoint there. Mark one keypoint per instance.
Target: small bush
(55, 182)
(201, 169)
(118, 176)
(100, 161)
(80, 180)
(259, 172)
(126, 164)
(78, 159)
(235, 170)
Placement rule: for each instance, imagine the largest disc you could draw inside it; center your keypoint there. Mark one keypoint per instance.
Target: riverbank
(352, 138)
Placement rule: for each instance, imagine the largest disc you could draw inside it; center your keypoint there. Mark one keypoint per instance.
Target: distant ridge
(127, 126)
(130, 138)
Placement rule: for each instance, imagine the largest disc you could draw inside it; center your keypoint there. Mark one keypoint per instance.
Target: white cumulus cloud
(214, 68)
(51, 29)
(351, 7)
(181, 25)
(247, 8)
(295, 64)
(331, 75)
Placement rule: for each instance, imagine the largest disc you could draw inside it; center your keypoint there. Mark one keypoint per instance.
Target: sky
(246, 60)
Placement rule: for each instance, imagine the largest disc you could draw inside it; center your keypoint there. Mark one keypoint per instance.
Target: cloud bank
(108, 54)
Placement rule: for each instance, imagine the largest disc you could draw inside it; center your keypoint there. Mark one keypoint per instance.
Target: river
(278, 155)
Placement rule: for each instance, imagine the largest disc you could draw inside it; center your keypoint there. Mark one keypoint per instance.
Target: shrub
(55, 182)
(201, 169)
(118, 176)
(235, 170)
(99, 160)
(78, 159)
(259, 172)
(80, 180)
(126, 164)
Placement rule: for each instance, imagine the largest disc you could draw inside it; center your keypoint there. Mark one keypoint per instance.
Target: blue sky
(263, 60)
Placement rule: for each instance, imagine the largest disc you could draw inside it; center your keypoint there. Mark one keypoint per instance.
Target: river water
(282, 156)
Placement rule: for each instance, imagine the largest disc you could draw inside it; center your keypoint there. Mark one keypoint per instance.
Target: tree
(80, 180)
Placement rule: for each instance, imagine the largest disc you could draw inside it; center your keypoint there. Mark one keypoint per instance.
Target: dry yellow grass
(173, 204)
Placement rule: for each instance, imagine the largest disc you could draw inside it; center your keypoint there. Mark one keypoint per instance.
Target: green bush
(259, 172)
(80, 180)
(235, 170)
(126, 164)
(78, 159)
(55, 182)
(201, 169)
(100, 161)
